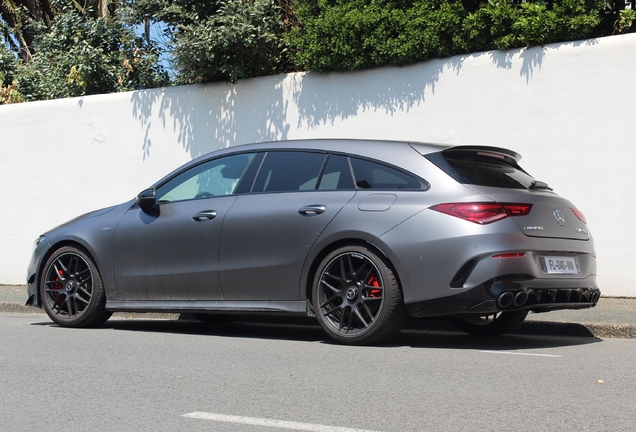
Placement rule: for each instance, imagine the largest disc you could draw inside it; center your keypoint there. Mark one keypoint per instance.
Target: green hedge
(354, 34)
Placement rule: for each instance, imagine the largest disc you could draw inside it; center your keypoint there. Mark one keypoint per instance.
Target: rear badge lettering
(533, 228)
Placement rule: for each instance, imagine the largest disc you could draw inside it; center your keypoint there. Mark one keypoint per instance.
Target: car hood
(89, 215)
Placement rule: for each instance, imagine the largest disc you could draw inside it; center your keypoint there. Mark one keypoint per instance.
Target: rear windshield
(482, 170)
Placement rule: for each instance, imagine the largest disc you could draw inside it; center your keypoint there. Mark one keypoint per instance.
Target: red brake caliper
(58, 285)
(374, 282)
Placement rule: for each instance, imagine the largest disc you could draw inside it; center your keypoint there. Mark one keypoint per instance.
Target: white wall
(567, 108)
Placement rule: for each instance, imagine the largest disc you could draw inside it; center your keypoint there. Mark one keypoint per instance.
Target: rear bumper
(508, 294)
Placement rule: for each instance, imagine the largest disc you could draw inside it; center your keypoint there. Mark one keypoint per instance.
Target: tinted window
(371, 175)
(289, 171)
(337, 174)
(475, 169)
(214, 178)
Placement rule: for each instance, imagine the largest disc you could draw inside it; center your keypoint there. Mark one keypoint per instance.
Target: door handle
(312, 210)
(204, 215)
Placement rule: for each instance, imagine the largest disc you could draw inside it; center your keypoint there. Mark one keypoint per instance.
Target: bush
(343, 34)
(243, 38)
(502, 25)
(83, 55)
(9, 92)
(359, 34)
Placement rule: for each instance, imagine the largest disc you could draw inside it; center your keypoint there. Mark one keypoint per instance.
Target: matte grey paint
(256, 254)
(265, 240)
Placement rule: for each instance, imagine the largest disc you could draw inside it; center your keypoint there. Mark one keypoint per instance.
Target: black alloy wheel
(72, 291)
(491, 325)
(357, 298)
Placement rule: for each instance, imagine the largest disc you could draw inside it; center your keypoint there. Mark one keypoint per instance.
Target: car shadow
(509, 342)
(416, 334)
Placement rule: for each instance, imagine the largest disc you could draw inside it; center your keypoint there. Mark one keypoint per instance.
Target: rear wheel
(357, 298)
(491, 325)
(72, 291)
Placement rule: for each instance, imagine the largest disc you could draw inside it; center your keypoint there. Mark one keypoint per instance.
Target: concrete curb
(529, 327)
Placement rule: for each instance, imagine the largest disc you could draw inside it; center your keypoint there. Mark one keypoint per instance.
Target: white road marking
(282, 424)
(517, 353)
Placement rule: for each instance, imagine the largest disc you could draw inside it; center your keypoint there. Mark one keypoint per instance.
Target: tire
(72, 291)
(491, 325)
(356, 297)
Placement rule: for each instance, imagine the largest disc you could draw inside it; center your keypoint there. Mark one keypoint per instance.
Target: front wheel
(72, 291)
(491, 325)
(356, 297)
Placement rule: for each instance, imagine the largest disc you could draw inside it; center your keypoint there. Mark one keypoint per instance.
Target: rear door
(267, 234)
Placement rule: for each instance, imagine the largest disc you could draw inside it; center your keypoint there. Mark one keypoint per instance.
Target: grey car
(363, 235)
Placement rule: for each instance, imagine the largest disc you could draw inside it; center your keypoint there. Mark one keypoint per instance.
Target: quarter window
(372, 175)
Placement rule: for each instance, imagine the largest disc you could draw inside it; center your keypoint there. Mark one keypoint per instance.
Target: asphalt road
(612, 317)
(151, 375)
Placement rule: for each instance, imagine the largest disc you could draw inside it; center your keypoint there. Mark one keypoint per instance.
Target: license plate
(560, 265)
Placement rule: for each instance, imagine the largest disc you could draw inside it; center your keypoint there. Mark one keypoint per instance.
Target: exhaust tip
(520, 298)
(595, 297)
(505, 299)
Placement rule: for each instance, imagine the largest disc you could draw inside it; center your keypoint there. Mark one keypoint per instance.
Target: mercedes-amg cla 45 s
(360, 234)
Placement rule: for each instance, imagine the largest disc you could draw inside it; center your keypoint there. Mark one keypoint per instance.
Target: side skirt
(259, 307)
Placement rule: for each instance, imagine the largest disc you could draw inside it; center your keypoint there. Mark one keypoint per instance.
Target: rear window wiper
(539, 185)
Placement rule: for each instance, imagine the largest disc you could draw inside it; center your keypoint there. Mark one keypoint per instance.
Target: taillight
(483, 213)
(579, 214)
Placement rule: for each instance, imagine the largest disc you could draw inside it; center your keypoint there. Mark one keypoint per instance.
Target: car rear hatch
(495, 173)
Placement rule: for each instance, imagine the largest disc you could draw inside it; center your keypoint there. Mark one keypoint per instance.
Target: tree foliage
(502, 25)
(222, 40)
(8, 73)
(84, 53)
(17, 15)
(61, 48)
(354, 34)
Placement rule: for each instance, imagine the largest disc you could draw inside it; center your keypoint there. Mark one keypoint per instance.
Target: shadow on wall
(323, 99)
(208, 117)
(211, 116)
(531, 58)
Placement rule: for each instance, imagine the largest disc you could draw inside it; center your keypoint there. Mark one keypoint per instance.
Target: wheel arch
(326, 250)
(51, 250)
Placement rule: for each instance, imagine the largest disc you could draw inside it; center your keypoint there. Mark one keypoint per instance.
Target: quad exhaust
(536, 297)
(509, 299)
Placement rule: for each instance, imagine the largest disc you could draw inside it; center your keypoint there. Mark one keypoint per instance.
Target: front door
(173, 255)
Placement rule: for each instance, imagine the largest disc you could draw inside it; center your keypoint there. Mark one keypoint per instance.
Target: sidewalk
(612, 317)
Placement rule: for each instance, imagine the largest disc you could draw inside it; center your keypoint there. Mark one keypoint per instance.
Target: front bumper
(39, 255)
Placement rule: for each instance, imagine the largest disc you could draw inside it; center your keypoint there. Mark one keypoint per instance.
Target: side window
(371, 175)
(337, 174)
(217, 177)
(289, 171)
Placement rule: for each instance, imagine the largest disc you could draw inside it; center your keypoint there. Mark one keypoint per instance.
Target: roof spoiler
(496, 152)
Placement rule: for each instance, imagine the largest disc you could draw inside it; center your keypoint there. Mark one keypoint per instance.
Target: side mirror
(147, 201)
